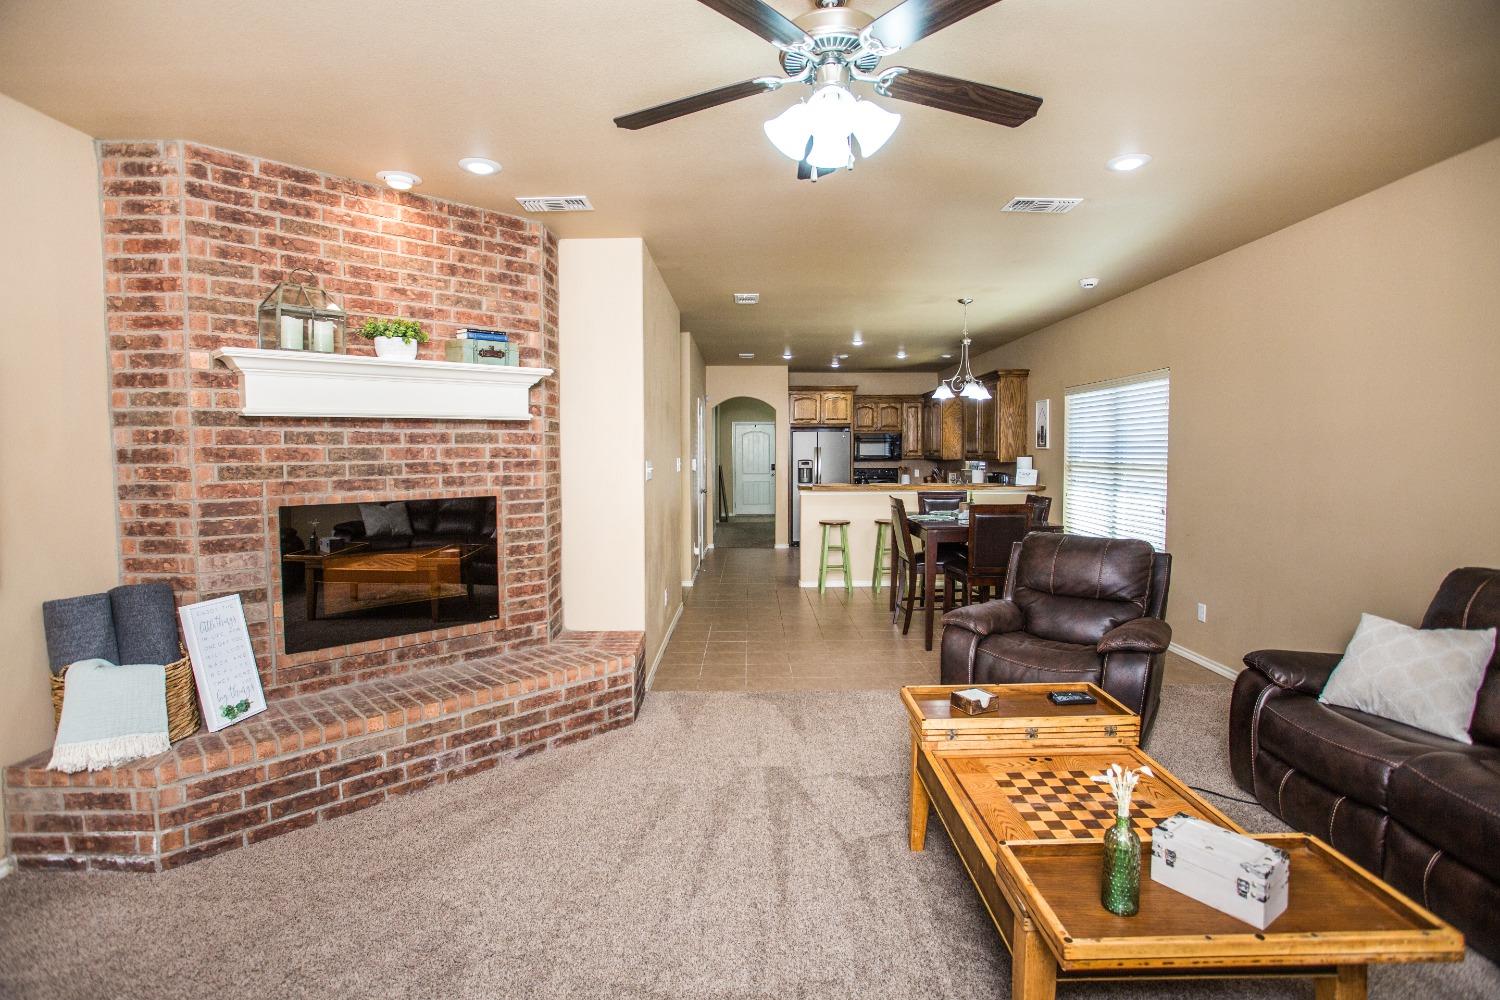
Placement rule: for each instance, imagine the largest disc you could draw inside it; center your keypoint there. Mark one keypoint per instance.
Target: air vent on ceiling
(557, 203)
(1049, 206)
(746, 298)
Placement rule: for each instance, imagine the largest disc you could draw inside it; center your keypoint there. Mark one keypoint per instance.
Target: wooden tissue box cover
(970, 705)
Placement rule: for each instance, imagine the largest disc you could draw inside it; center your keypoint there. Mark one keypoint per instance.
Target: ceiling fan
(831, 47)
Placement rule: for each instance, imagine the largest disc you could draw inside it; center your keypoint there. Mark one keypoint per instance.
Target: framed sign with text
(218, 643)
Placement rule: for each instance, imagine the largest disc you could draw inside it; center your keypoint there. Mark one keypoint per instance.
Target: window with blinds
(1115, 458)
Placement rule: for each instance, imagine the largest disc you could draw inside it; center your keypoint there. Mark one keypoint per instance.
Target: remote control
(1071, 698)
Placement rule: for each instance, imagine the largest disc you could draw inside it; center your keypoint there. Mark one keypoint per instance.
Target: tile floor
(747, 626)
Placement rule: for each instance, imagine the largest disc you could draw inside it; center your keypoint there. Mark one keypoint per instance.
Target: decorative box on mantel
(306, 384)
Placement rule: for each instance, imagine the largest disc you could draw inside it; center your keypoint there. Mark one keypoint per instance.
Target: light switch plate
(649, 472)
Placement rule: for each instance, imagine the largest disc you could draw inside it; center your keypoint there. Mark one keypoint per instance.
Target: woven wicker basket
(183, 718)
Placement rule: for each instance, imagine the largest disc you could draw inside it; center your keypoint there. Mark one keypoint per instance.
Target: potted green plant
(394, 338)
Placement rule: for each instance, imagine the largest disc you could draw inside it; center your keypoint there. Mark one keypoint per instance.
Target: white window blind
(1115, 458)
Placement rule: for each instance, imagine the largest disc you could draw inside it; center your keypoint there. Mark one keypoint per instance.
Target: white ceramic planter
(395, 348)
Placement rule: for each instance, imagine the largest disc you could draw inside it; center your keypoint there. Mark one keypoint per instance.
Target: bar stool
(882, 567)
(842, 549)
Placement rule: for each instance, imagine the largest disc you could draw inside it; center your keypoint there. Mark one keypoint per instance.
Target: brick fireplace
(194, 239)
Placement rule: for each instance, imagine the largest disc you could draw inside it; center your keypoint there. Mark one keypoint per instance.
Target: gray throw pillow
(385, 519)
(1425, 677)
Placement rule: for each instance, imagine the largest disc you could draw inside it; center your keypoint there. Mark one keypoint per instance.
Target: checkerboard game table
(1024, 720)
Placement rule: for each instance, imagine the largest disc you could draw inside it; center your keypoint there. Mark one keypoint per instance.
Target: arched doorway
(745, 478)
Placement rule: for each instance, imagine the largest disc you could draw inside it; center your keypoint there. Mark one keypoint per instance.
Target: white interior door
(754, 447)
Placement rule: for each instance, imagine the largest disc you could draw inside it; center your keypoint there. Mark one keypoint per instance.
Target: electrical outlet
(664, 598)
(1203, 612)
(679, 465)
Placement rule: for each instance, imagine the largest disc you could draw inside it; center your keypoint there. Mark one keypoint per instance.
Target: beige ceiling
(1258, 113)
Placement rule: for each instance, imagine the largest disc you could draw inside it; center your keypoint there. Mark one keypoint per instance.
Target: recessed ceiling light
(859, 339)
(745, 355)
(786, 355)
(746, 298)
(835, 363)
(399, 180)
(1087, 283)
(479, 165)
(946, 356)
(1128, 162)
(901, 354)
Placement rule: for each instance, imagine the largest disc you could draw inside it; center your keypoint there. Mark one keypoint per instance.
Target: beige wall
(871, 383)
(1333, 423)
(693, 393)
(603, 423)
(662, 350)
(622, 407)
(741, 408)
(767, 383)
(57, 509)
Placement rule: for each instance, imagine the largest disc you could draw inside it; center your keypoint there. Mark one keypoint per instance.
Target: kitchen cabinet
(820, 406)
(1011, 421)
(911, 428)
(836, 406)
(877, 414)
(943, 430)
(980, 427)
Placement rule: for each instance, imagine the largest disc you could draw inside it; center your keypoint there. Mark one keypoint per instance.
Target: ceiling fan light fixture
(789, 130)
(873, 127)
(821, 129)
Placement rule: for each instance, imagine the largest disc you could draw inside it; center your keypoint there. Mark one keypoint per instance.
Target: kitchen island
(861, 505)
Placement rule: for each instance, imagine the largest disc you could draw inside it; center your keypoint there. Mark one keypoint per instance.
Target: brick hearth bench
(315, 757)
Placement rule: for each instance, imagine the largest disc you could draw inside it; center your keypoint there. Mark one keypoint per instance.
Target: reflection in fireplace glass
(356, 572)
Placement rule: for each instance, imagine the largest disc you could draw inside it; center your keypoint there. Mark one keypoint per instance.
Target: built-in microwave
(877, 447)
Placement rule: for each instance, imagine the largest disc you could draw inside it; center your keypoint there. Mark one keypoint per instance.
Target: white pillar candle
(323, 335)
(291, 333)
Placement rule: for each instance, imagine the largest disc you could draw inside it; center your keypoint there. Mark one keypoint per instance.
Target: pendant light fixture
(962, 383)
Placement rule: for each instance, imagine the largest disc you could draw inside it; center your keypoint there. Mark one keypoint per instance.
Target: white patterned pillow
(1425, 677)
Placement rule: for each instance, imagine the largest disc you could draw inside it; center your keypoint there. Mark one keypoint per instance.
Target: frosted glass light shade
(975, 391)
(943, 392)
(789, 130)
(873, 127)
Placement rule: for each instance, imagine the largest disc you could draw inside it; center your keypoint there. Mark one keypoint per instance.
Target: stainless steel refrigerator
(818, 457)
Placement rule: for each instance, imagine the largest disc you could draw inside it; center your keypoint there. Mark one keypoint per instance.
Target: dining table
(939, 528)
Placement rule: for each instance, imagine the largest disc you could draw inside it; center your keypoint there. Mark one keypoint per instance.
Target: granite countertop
(916, 488)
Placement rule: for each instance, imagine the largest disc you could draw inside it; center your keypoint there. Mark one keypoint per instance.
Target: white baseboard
(1219, 668)
(687, 583)
(783, 545)
(7, 865)
(661, 650)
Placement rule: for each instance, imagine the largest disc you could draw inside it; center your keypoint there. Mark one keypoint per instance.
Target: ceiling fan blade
(763, 19)
(687, 105)
(916, 19)
(965, 97)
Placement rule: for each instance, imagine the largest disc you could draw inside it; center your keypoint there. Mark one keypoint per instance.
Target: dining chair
(907, 568)
(938, 501)
(1041, 508)
(993, 529)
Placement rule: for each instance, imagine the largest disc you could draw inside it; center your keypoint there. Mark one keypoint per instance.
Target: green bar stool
(842, 549)
(882, 566)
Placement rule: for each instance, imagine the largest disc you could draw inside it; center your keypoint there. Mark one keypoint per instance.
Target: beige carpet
(725, 846)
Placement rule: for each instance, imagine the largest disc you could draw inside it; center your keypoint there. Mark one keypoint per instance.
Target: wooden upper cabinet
(943, 430)
(820, 406)
(888, 415)
(1012, 416)
(866, 415)
(837, 406)
(804, 407)
(877, 414)
(911, 428)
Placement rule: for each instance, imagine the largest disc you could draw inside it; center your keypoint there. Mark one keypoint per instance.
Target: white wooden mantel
(309, 384)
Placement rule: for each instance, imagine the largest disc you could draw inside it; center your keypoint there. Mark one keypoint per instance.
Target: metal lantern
(300, 316)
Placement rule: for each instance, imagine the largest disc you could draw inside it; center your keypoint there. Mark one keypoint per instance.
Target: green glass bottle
(1120, 889)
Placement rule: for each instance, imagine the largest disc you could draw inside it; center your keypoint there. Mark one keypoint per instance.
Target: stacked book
(482, 347)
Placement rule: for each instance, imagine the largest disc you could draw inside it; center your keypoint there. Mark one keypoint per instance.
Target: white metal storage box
(1234, 874)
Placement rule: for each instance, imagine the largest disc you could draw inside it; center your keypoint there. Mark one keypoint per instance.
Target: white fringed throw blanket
(110, 715)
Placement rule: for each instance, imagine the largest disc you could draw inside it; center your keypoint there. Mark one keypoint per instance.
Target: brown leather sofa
(1075, 608)
(1420, 810)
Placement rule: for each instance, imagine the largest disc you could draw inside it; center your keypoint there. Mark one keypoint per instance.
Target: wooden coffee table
(1339, 920)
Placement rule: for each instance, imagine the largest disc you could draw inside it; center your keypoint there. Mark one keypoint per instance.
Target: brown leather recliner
(1421, 811)
(1075, 608)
